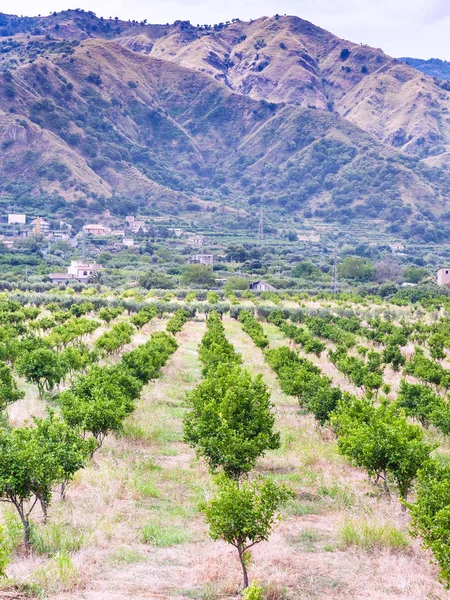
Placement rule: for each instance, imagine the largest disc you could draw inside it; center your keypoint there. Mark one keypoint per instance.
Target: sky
(417, 28)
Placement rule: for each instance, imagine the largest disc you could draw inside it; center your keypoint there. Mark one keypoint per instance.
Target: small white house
(443, 276)
(203, 259)
(80, 270)
(196, 240)
(7, 243)
(397, 247)
(96, 229)
(261, 286)
(127, 241)
(16, 218)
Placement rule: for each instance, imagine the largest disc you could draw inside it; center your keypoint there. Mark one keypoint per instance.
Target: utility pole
(335, 268)
(261, 225)
(83, 247)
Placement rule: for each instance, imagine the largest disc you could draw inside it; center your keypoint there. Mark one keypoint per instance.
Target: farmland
(132, 520)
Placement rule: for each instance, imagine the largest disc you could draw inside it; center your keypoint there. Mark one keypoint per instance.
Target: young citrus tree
(43, 367)
(243, 514)
(230, 420)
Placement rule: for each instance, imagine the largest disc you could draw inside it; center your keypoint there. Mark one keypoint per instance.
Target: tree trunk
(63, 490)
(44, 509)
(405, 499)
(244, 568)
(385, 485)
(26, 529)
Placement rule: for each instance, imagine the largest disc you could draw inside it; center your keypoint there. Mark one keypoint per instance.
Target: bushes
(230, 420)
(98, 402)
(144, 316)
(176, 322)
(303, 337)
(431, 516)
(381, 440)
(215, 349)
(299, 377)
(254, 329)
(361, 373)
(111, 342)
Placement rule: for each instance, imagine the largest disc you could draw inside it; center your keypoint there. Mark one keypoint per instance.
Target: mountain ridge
(101, 113)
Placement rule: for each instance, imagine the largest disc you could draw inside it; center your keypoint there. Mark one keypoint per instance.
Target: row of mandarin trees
(375, 433)
(43, 456)
(230, 424)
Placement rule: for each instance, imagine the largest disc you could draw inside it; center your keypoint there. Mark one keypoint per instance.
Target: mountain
(106, 116)
(434, 67)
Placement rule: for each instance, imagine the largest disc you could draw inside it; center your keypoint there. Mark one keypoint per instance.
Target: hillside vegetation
(102, 115)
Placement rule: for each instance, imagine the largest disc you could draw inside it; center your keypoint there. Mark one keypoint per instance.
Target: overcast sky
(418, 28)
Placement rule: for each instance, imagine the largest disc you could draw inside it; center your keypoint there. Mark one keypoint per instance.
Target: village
(110, 239)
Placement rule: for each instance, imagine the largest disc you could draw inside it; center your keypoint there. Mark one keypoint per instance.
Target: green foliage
(43, 367)
(152, 279)
(9, 392)
(299, 377)
(109, 314)
(200, 275)
(146, 360)
(98, 402)
(356, 268)
(363, 373)
(381, 440)
(144, 316)
(431, 514)
(112, 341)
(427, 370)
(212, 297)
(5, 553)
(71, 330)
(34, 459)
(230, 420)
(254, 329)
(253, 592)
(277, 317)
(304, 338)
(418, 401)
(414, 274)
(307, 270)
(244, 514)
(393, 356)
(176, 322)
(215, 349)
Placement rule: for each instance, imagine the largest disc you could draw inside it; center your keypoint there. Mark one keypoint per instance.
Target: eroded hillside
(172, 116)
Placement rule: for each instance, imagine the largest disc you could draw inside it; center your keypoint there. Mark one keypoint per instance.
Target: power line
(335, 269)
(261, 225)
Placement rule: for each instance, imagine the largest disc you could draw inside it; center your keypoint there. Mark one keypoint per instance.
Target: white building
(127, 241)
(96, 229)
(81, 270)
(196, 240)
(40, 226)
(137, 226)
(443, 276)
(7, 243)
(203, 259)
(17, 218)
